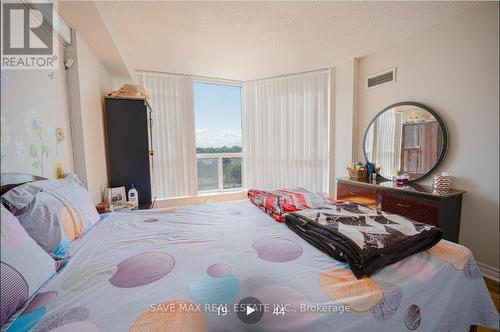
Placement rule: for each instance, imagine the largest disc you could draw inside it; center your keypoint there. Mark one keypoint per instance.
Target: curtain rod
(291, 74)
(208, 78)
(195, 77)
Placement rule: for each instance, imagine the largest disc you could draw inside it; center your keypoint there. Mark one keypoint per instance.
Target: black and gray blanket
(365, 238)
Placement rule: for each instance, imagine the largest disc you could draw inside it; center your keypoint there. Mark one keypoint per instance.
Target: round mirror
(407, 137)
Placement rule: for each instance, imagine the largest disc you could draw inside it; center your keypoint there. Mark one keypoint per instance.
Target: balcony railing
(218, 172)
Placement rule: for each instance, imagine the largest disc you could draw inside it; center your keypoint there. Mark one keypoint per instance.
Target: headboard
(12, 180)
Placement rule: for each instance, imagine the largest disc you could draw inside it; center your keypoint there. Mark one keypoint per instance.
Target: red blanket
(277, 203)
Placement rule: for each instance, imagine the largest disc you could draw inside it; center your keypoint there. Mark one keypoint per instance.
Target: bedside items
(103, 207)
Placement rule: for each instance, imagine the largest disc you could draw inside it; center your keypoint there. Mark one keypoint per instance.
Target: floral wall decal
(43, 143)
(5, 132)
(20, 150)
(60, 134)
(35, 123)
(5, 136)
(59, 171)
(58, 167)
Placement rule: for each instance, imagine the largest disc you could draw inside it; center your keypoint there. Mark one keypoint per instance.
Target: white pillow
(58, 212)
(25, 267)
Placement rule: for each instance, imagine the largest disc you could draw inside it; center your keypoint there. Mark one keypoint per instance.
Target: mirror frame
(442, 124)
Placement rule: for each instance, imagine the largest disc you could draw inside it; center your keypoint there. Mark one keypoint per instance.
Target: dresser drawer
(417, 202)
(420, 209)
(357, 194)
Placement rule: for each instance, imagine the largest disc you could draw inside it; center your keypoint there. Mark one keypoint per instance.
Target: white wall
(42, 95)
(453, 68)
(344, 118)
(89, 83)
(35, 97)
(95, 82)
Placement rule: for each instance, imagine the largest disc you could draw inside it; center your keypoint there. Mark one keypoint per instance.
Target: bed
(187, 270)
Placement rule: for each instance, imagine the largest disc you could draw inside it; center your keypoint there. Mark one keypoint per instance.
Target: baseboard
(489, 272)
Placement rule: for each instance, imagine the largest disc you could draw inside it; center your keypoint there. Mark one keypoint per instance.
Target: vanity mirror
(406, 136)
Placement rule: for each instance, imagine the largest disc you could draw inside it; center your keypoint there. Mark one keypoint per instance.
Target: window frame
(221, 156)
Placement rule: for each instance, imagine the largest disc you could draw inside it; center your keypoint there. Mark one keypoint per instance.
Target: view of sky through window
(217, 116)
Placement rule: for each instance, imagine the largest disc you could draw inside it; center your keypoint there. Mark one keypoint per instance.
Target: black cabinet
(128, 138)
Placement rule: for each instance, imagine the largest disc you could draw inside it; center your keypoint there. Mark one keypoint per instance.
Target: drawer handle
(403, 205)
(353, 194)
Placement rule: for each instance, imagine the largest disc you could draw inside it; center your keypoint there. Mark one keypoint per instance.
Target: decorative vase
(441, 184)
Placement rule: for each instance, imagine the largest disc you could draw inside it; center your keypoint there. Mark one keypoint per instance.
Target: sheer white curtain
(285, 132)
(174, 161)
(387, 140)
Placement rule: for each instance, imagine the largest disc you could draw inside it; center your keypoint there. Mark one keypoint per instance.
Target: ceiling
(251, 40)
(86, 19)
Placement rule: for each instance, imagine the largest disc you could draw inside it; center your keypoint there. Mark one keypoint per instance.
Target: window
(217, 110)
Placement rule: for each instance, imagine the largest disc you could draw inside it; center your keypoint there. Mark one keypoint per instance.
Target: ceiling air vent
(385, 77)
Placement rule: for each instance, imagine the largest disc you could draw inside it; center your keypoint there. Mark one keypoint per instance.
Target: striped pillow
(24, 266)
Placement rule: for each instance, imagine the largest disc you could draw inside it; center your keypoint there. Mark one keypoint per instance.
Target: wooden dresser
(414, 201)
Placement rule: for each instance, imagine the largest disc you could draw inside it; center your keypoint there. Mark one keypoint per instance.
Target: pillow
(278, 202)
(58, 213)
(19, 197)
(25, 267)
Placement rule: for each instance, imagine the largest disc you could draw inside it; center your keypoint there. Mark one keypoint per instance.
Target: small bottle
(133, 196)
